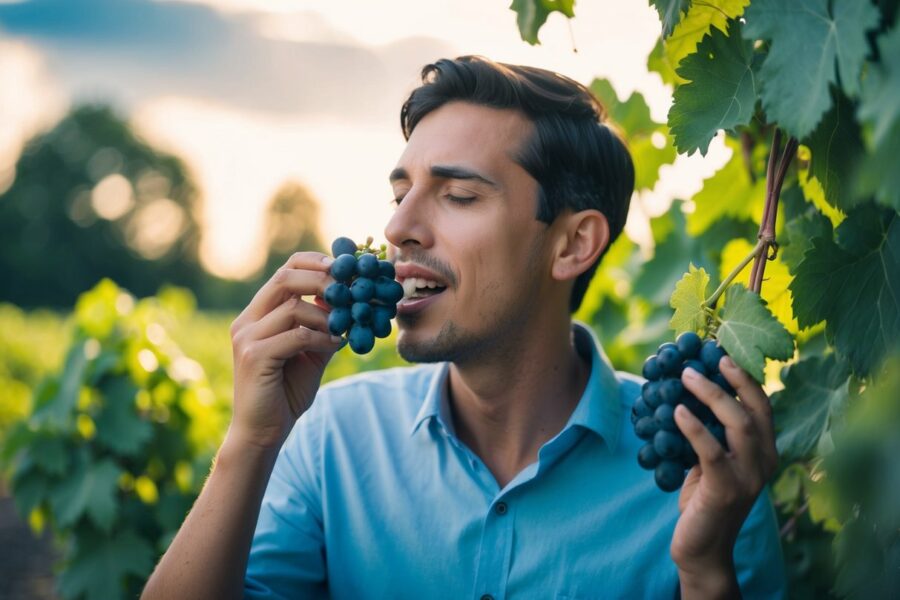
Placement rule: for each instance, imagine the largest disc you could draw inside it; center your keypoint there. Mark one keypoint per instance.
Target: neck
(507, 406)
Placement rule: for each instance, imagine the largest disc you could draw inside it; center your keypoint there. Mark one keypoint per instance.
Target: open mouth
(415, 288)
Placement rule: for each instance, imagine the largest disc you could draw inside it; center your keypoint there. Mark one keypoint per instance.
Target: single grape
(344, 268)
(665, 417)
(386, 269)
(339, 321)
(362, 289)
(711, 353)
(641, 409)
(387, 290)
(647, 457)
(652, 370)
(367, 266)
(670, 391)
(362, 313)
(689, 344)
(361, 338)
(669, 359)
(720, 380)
(342, 245)
(338, 294)
(668, 444)
(669, 475)
(650, 394)
(695, 365)
(381, 321)
(646, 428)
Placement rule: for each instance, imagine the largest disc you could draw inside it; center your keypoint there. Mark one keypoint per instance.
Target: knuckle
(302, 335)
(716, 455)
(745, 424)
(247, 354)
(280, 277)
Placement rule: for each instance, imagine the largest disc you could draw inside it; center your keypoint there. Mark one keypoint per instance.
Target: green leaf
(879, 175)
(698, 21)
(729, 192)
(721, 92)
(100, 566)
(89, 489)
(532, 14)
(775, 292)
(836, 148)
(119, 427)
(687, 300)
(670, 12)
(50, 454)
(854, 285)
(658, 62)
(799, 233)
(815, 393)
(29, 489)
(880, 97)
(749, 332)
(56, 411)
(807, 40)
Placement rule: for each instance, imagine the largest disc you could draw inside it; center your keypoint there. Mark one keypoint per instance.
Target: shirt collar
(598, 410)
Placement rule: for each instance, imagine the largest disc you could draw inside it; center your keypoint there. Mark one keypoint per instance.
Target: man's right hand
(281, 345)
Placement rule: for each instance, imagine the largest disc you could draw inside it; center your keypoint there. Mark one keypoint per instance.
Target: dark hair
(579, 162)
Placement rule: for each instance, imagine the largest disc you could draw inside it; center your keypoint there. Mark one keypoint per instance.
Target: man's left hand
(720, 491)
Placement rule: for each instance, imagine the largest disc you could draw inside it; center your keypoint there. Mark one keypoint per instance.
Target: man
(504, 467)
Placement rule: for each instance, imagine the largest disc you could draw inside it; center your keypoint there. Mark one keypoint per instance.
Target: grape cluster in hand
(667, 451)
(364, 296)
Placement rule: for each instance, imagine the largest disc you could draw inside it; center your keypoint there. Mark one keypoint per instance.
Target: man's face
(466, 222)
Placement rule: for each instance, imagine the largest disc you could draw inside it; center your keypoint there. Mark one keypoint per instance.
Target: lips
(421, 287)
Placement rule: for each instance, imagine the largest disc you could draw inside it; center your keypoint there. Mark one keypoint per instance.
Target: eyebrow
(446, 172)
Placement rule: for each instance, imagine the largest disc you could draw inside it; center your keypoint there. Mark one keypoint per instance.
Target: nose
(411, 225)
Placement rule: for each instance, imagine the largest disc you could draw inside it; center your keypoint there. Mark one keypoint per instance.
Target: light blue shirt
(373, 496)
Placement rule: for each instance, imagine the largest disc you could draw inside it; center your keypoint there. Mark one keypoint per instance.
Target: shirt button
(487, 597)
(501, 508)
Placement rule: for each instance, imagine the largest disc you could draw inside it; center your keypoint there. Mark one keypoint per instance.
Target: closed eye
(461, 199)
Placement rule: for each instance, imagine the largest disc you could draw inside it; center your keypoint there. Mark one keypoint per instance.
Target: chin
(450, 344)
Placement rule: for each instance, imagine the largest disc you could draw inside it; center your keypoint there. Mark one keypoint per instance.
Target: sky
(252, 93)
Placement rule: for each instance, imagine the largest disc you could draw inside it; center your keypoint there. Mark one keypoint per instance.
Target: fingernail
(691, 373)
(729, 362)
(336, 339)
(327, 260)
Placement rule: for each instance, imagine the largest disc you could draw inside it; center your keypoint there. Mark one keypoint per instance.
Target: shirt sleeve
(758, 559)
(287, 555)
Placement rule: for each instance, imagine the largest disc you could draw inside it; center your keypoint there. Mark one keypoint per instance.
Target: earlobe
(582, 238)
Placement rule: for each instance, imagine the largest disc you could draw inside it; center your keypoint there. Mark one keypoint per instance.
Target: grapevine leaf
(532, 14)
(658, 62)
(749, 332)
(775, 285)
(836, 146)
(687, 300)
(119, 427)
(698, 21)
(670, 12)
(815, 392)
(854, 285)
(815, 195)
(729, 192)
(879, 175)
(100, 566)
(721, 92)
(799, 232)
(633, 117)
(880, 98)
(806, 40)
(55, 410)
(89, 489)
(29, 490)
(49, 453)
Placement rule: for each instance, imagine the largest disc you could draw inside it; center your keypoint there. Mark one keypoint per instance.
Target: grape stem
(775, 173)
(760, 247)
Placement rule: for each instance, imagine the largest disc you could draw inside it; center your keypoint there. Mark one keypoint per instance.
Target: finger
(290, 314)
(755, 400)
(712, 456)
(305, 273)
(725, 407)
(294, 341)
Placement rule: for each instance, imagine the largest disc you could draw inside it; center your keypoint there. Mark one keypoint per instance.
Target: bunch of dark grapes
(667, 451)
(364, 296)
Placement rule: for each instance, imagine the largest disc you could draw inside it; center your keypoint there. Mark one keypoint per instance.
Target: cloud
(131, 50)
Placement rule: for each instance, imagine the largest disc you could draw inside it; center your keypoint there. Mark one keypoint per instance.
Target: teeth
(409, 287)
(412, 283)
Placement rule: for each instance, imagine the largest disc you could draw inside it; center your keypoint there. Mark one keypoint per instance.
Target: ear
(582, 237)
